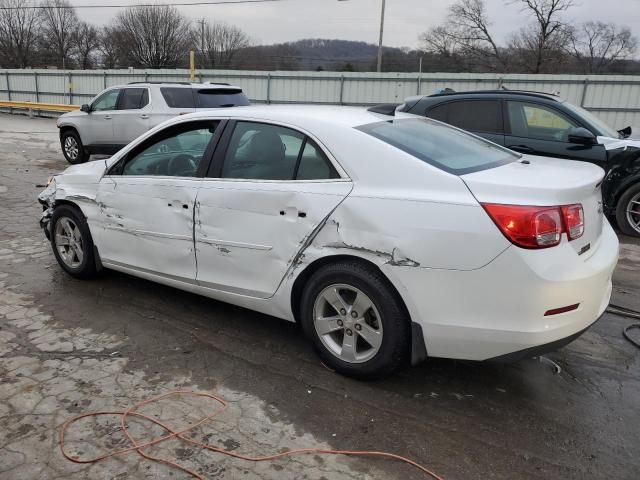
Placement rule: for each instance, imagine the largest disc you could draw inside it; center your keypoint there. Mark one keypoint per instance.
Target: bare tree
(85, 42)
(467, 32)
(19, 30)
(157, 36)
(471, 25)
(110, 47)
(440, 41)
(59, 22)
(220, 43)
(596, 45)
(547, 38)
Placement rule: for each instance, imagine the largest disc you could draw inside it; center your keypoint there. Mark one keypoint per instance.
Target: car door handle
(521, 148)
(144, 116)
(107, 117)
(177, 204)
(294, 210)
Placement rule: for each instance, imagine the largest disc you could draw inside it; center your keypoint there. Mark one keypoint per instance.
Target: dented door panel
(248, 233)
(147, 223)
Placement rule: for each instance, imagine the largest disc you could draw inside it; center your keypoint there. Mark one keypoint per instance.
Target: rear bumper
(499, 309)
(540, 349)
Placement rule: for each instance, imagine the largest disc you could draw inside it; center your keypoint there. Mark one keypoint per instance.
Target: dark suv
(543, 124)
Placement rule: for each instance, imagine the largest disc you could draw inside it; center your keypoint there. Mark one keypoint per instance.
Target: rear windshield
(445, 147)
(221, 97)
(177, 97)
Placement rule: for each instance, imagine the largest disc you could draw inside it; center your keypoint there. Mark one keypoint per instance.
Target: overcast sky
(290, 20)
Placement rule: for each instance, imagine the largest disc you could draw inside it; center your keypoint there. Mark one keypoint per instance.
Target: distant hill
(325, 54)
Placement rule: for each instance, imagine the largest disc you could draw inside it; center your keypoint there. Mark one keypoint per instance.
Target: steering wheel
(182, 165)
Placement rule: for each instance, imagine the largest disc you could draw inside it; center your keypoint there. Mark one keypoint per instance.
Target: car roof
(300, 115)
(224, 86)
(500, 93)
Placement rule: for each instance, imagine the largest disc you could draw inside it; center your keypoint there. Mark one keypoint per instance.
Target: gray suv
(120, 114)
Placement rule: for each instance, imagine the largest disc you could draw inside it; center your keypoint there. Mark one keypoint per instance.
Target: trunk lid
(541, 181)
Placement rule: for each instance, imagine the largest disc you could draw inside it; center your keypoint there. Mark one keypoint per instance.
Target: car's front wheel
(72, 147)
(628, 211)
(71, 242)
(355, 320)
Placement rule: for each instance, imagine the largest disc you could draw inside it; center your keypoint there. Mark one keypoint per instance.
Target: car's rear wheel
(628, 211)
(72, 147)
(71, 242)
(355, 320)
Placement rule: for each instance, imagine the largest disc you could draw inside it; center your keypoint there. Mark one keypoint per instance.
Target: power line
(125, 5)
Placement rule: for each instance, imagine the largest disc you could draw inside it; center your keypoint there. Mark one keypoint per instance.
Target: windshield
(605, 130)
(443, 146)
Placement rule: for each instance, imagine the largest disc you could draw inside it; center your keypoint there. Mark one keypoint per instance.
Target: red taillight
(537, 227)
(573, 220)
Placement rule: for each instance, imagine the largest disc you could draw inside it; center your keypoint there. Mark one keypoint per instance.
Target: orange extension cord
(181, 434)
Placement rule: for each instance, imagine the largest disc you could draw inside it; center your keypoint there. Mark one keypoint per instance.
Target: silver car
(120, 114)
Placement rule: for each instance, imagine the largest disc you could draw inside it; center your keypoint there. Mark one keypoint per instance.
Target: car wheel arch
(418, 351)
(624, 186)
(70, 128)
(77, 208)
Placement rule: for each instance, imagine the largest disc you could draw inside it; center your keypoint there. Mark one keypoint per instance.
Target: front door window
(106, 101)
(176, 152)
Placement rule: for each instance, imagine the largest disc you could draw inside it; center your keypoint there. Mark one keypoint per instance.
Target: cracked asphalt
(70, 346)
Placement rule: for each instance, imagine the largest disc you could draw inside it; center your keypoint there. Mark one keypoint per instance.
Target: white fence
(613, 98)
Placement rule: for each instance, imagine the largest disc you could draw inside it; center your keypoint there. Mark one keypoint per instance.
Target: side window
(314, 165)
(178, 97)
(133, 99)
(262, 152)
(175, 152)
(476, 115)
(106, 101)
(536, 121)
(439, 113)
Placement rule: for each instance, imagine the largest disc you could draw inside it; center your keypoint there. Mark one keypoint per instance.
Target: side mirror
(625, 132)
(582, 136)
(85, 108)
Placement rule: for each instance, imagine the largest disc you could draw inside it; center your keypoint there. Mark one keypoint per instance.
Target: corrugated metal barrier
(613, 98)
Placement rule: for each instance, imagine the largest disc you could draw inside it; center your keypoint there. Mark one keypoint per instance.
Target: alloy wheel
(347, 323)
(69, 242)
(633, 212)
(71, 148)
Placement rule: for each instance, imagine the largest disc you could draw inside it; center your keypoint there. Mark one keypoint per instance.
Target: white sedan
(389, 239)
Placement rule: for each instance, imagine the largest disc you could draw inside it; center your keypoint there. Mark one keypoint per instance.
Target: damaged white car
(389, 239)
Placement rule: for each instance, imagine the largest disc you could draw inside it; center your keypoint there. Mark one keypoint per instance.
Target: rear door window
(473, 115)
(133, 99)
(177, 97)
(260, 151)
(447, 148)
(313, 164)
(439, 112)
(220, 98)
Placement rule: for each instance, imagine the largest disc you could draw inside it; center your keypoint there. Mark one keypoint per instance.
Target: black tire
(395, 348)
(632, 193)
(73, 138)
(86, 268)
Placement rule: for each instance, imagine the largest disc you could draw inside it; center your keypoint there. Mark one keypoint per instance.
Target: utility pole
(381, 34)
(202, 21)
